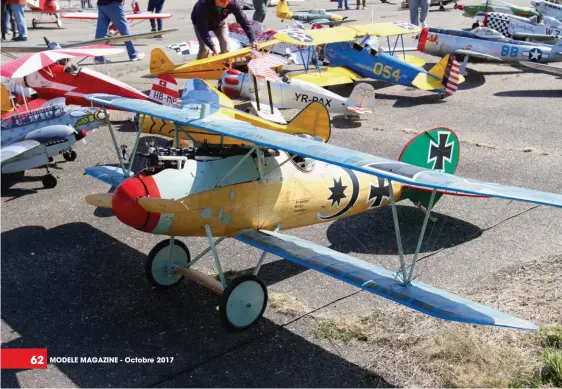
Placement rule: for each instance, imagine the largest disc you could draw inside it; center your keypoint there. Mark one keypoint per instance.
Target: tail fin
(435, 149)
(283, 10)
(164, 90)
(313, 120)
(447, 70)
(159, 62)
(362, 99)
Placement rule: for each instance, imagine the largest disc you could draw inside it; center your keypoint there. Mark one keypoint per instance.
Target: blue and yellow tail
(443, 77)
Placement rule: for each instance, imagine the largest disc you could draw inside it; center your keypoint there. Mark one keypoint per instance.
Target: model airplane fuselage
(487, 44)
(53, 81)
(297, 94)
(547, 8)
(316, 16)
(31, 139)
(470, 11)
(372, 63)
(520, 27)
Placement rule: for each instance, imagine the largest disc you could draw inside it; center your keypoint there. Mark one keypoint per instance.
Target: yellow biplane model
(273, 182)
(350, 60)
(211, 68)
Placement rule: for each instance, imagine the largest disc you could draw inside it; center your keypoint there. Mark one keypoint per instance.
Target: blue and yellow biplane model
(351, 60)
(269, 181)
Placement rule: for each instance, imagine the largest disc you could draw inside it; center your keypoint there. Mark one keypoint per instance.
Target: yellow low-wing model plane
(351, 61)
(210, 68)
(313, 120)
(278, 182)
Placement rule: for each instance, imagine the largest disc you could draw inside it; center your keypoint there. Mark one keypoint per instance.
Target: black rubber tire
(49, 181)
(150, 259)
(228, 291)
(475, 25)
(69, 155)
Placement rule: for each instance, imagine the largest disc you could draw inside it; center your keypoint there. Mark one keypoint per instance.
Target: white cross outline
(432, 143)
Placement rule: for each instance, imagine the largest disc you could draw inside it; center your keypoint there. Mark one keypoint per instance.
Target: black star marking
(337, 192)
(378, 192)
(439, 152)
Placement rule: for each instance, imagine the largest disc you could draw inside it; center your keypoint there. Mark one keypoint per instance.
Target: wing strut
(406, 280)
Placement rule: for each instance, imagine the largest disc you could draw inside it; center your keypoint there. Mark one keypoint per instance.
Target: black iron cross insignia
(440, 152)
(378, 192)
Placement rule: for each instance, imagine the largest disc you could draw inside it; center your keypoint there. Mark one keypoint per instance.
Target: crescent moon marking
(352, 201)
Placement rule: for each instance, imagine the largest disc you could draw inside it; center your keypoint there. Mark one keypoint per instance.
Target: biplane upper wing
(411, 175)
(344, 33)
(375, 279)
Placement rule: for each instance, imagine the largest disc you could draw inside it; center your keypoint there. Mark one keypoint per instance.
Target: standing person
(210, 15)
(359, 1)
(415, 6)
(111, 11)
(340, 4)
(156, 7)
(4, 20)
(259, 7)
(17, 14)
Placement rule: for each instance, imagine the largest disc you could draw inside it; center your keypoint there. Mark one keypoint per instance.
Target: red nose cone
(423, 39)
(460, 6)
(126, 208)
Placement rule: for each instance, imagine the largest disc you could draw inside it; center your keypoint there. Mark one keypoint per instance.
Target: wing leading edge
(352, 159)
(377, 280)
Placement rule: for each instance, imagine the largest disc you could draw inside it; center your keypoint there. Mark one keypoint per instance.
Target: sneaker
(364, 7)
(153, 30)
(424, 24)
(20, 39)
(138, 57)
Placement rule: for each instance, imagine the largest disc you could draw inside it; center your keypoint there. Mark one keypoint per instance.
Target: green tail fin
(435, 149)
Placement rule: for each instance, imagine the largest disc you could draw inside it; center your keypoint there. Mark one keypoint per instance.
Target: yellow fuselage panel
(288, 197)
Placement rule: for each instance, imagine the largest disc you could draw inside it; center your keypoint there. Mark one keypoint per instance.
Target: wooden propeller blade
(161, 205)
(102, 200)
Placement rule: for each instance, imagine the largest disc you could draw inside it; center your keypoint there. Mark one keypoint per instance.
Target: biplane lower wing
(382, 282)
(411, 175)
(111, 175)
(328, 77)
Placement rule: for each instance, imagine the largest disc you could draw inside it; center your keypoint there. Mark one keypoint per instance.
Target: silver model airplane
(518, 27)
(548, 8)
(485, 43)
(32, 138)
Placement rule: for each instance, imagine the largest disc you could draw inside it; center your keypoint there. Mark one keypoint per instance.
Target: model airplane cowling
(485, 43)
(251, 193)
(297, 94)
(31, 139)
(519, 27)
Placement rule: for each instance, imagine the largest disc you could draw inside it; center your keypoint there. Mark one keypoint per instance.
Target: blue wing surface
(352, 159)
(377, 280)
(111, 175)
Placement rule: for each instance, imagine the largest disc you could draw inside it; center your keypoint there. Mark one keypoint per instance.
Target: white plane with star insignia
(486, 43)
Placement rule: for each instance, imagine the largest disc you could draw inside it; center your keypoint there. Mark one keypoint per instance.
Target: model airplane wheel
(69, 155)
(34, 23)
(243, 302)
(158, 271)
(441, 8)
(49, 181)
(475, 25)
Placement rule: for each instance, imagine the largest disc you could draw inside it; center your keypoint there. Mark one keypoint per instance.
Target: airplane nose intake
(126, 208)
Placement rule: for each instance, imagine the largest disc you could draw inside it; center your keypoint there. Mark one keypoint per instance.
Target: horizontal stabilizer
(111, 175)
(102, 200)
(161, 205)
(377, 280)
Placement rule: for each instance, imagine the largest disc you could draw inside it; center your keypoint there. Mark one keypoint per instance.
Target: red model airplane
(50, 7)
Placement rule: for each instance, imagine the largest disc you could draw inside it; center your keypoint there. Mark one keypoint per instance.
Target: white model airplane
(520, 27)
(263, 83)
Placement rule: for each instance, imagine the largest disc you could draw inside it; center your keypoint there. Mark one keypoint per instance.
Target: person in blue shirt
(210, 15)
